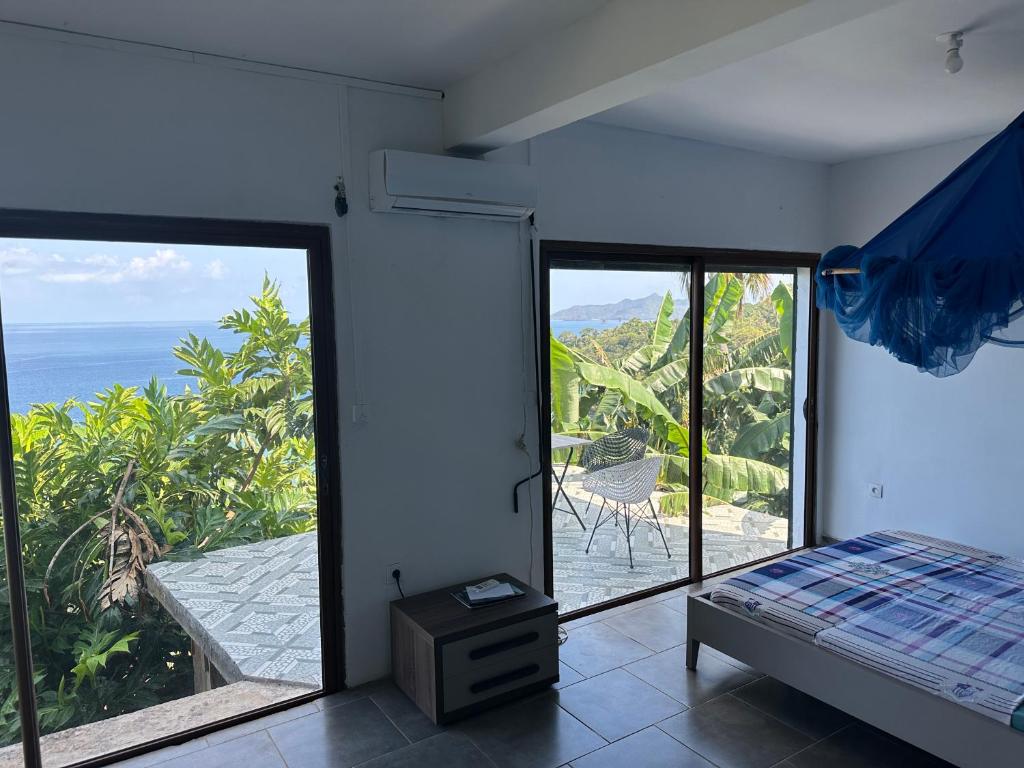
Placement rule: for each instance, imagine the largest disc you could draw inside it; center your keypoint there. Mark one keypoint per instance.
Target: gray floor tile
(227, 734)
(337, 737)
(348, 696)
(859, 746)
(650, 748)
(400, 709)
(163, 755)
(598, 648)
(732, 734)
(667, 672)
(676, 603)
(566, 676)
(707, 650)
(590, 618)
(797, 710)
(445, 750)
(656, 626)
(255, 750)
(617, 704)
(536, 733)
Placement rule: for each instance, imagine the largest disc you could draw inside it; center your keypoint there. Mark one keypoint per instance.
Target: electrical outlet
(875, 490)
(388, 578)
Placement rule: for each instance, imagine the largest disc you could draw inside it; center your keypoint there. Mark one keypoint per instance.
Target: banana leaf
(775, 380)
(782, 298)
(661, 336)
(722, 294)
(761, 436)
(726, 476)
(639, 394)
(565, 387)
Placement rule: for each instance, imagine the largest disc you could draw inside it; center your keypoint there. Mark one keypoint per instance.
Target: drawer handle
(508, 677)
(505, 645)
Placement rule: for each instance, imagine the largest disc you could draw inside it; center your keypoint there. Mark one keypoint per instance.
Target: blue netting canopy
(948, 275)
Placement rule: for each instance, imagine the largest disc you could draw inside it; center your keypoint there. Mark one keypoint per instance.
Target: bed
(920, 637)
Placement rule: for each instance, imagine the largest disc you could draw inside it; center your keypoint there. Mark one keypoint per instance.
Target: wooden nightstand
(453, 661)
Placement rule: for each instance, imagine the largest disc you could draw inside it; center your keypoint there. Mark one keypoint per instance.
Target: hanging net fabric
(948, 275)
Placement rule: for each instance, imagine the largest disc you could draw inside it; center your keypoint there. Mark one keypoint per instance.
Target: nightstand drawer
(453, 661)
(511, 673)
(473, 653)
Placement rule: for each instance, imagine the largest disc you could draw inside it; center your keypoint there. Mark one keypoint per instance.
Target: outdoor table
(565, 441)
(252, 611)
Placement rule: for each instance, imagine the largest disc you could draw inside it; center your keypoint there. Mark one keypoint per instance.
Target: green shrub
(106, 486)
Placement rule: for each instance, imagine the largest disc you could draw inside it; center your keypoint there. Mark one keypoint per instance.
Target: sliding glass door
(170, 388)
(637, 503)
(619, 397)
(754, 369)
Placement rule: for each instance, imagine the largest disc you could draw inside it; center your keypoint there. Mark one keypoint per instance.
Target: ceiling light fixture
(953, 41)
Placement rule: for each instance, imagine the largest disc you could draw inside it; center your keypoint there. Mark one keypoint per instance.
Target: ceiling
(870, 86)
(865, 87)
(425, 43)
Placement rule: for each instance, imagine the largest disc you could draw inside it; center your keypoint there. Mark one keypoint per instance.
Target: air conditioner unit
(437, 185)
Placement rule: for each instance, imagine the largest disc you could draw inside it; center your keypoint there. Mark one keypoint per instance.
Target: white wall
(430, 311)
(433, 304)
(603, 183)
(948, 451)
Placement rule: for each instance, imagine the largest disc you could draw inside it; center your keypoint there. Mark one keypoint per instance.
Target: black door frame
(315, 240)
(564, 254)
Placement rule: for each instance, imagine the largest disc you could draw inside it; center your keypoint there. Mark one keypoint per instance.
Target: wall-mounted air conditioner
(437, 185)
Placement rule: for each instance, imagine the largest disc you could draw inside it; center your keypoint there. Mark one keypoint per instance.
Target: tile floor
(624, 699)
(732, 537)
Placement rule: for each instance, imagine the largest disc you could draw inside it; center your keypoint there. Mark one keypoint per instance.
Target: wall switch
(875, 490)
(360, 414)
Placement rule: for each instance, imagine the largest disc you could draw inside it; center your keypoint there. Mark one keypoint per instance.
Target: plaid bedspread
(942, 616)
(974, 656)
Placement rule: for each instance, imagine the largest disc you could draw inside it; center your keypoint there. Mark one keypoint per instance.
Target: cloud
(163, 263)
(216, 269)
(98, 260)
(71, 277)
(17, 261)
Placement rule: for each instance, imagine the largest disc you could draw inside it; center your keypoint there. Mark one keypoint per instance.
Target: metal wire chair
(627, 485)
(614, 449)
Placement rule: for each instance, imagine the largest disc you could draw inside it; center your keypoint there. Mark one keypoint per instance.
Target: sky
(68, 281)
(570, 287)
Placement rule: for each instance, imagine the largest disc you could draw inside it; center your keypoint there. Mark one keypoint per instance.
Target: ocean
(51, 363)
(558, 327)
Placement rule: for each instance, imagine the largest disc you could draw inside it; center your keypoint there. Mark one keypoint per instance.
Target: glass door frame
(565, 254)
(315, 240)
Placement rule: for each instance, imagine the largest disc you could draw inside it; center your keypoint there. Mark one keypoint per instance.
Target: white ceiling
(426, 43)
(873, 85)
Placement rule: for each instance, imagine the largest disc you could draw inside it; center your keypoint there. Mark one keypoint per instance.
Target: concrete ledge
(116, 733)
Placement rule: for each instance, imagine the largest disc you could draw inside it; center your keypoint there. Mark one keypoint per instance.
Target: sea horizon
(55, 362)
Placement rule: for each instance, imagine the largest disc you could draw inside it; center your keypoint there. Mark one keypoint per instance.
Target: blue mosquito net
(948, 275)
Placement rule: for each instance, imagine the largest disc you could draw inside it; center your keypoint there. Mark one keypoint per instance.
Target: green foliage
(747, 391)
(614, 343)
(106, 486)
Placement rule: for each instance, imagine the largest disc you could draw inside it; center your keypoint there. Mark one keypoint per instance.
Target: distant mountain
(644, 309)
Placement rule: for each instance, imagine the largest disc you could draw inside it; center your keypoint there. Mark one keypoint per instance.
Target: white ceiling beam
(625, 50)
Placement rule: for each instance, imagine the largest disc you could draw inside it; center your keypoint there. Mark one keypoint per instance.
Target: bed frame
(936, 725)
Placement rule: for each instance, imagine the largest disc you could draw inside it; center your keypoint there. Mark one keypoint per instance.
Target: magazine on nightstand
(487, 593)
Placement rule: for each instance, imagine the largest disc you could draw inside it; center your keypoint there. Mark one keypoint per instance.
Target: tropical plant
(747, 394)
(107, 486)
